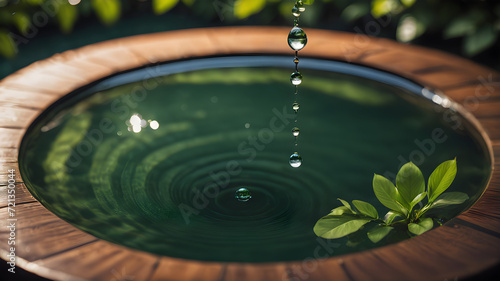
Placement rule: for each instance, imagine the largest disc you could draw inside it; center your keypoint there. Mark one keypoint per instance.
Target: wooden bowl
(50, 247)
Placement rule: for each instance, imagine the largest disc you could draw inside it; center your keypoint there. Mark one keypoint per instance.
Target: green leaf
(441, 178)
(245, 8)
(188, 3)
(391, 216)
(331, 227)
(7, 46)
(460, 27)
(35, 2)
(365, 208)
(450, 198)
(417, 199)
(378, 232)
(67, 15)
(163, 6)
(108, 11)
(383, 7)
(354, 11)
(408, 3)
(22, 22)
(480, 40)
(346, 204)
(387, 194)
(340, 211)
(307, 2)
(410, 183)
(421, 227)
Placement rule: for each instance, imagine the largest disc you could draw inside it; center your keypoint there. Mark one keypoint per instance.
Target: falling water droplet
(295, 160)
(297, 38)
(300, 6)
(296, 22)
(296, 78)
(296, 60)
(295, 132)
(295, 107)
(243, 194)
(295, 11)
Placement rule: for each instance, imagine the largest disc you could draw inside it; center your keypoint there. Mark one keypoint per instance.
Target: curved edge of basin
(50, 247)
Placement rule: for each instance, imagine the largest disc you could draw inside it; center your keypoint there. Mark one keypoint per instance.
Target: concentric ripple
(158, 171)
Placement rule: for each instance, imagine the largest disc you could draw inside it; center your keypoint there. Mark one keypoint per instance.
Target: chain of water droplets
(297, 40)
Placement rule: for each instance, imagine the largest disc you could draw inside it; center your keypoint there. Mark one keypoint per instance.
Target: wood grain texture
(317, 270)
(55, 249)
(41, 233)
(104, 261)
(22, 195)
(272, 271)
(8, 155)
(169, 269)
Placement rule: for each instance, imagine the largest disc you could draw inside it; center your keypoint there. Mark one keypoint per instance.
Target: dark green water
(171, 190)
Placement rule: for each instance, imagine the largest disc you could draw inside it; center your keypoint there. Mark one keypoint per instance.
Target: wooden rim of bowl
(50, 247)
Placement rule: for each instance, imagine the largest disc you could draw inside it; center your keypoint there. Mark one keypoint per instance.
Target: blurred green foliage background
(468, 28)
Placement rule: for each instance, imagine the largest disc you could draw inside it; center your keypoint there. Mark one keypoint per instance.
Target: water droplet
(295, 160)
(295, 11)
(297, 38)
(295, 131)
(300, 5)
(243, 194)
(296, 78)
(296, 22)
(295, 107)
(296, 60)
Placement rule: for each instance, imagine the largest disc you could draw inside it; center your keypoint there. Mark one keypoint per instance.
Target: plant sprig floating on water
(297, 40)
(401, 199)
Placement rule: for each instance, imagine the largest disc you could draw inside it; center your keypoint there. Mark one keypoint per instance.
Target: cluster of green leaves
(477, 22)
(401, 199)
(23, 18)
(19, 19)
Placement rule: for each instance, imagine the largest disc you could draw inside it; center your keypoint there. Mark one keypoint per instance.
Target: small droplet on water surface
(243, 194)
(295, 160)
(295, 132)
(297, 38)
(296, 78)
(295, 107)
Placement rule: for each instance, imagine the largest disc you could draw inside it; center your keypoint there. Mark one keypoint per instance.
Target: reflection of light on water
(443, 101)
(436, 98)
(154, 124)
(135, 120)
(74, 2)
(136, 129)
(136, 123)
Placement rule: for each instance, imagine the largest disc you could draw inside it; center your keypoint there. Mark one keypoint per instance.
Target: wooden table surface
(52, 248)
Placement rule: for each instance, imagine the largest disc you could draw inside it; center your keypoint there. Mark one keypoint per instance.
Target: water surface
(152, 159)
